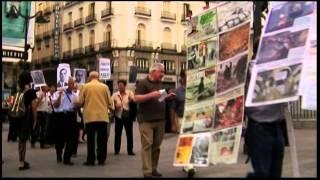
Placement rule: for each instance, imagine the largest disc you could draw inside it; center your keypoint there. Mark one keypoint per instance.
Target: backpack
(18, 109)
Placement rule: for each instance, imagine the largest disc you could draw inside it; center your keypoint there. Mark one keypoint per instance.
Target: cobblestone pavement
(43, 161)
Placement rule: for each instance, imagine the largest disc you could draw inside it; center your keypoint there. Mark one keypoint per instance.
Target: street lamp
(13, 14)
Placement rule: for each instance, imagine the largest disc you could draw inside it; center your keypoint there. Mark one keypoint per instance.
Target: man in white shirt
(42, 116)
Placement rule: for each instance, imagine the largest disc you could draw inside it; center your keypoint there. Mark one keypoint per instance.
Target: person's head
(24, 80)
(52, 88)
(79, 74)
(63, 74)
(71, 83)
(45, 88)
(93, 75)
(156, 72)
(122, 85)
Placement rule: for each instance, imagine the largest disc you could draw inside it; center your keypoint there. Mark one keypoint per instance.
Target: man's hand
(155, 94)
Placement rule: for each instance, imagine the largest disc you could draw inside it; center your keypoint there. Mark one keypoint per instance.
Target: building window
(92, 38)
(47, 42)
(107, 35)
(141, 34)
(169, 66)
(142, 64)
(70, 17)
(183, 66)
(81, 12)
(69, 43)
(91, 8)
(80, 41)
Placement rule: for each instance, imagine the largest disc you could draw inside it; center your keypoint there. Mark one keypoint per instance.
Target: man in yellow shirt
(97, 103)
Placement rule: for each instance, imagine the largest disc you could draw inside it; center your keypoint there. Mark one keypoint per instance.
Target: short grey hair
(156, 66)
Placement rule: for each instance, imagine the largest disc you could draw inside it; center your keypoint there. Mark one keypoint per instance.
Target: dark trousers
(266, 144)
(119, 123)
(101, 129)
(51, 128)
(42, 121)
(13, 129)
(66, 134)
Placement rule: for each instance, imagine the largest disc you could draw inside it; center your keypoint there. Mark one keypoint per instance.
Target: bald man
(96, 102)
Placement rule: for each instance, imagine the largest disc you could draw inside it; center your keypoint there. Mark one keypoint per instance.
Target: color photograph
(232, 73)
(286, 15)
(234, 42)
(278, 46)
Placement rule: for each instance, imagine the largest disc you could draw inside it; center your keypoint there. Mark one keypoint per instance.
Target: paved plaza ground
(43, 161)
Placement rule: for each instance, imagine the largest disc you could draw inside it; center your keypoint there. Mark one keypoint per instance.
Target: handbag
(125, 113)
(18, 109)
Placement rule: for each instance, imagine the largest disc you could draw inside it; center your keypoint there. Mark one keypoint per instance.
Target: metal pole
(292, 142)
(25, 54)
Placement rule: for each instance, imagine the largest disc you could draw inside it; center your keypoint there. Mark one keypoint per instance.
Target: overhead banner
(217, 58)
(13, 29)
(104, 69)
(276, 73)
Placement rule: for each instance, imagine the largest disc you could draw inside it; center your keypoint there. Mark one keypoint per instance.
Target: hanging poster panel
(217, 60)
(276, 73)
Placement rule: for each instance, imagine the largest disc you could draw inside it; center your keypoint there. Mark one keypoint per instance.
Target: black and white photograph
(196, 58)
(232, 73)
(280, 84)
(38, 78)
(79, 75)
(233, 13)
(280, 46)
(200, 150)
(63, 73)
(285, 16)
(212, 52)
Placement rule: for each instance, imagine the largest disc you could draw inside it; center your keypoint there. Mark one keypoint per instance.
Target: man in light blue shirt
(66, 119)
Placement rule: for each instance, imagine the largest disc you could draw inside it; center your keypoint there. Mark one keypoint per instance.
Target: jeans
(266, 144)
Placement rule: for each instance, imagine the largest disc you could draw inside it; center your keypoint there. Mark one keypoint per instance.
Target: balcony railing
(78, 52)
(106, 45)
(106, 13)
(170, 72)
(47, 10)
(168, 46)
(143, 70)
(47, 34)
(168, 15)
(91, 19)
(139, 10)
(70, 3)
(67, 54)
(79, 23)
(67, 26)
(142, 44)
(90, 49)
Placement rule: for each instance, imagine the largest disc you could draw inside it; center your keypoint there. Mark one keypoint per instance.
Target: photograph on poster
(225, 145)
(203, 26)
(233, 13)
(229, 113)
(285, 15)
(234, 42)
(232, 73)
(212, 52)
(200, 87)
(38, 78)
(183, 150)
(277, 83)
(200, 150)
(198, 118)
(63, 73)
(80, 75)
(279, 46)
(197, 56)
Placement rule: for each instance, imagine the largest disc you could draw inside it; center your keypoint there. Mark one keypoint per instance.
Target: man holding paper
(149, 96)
